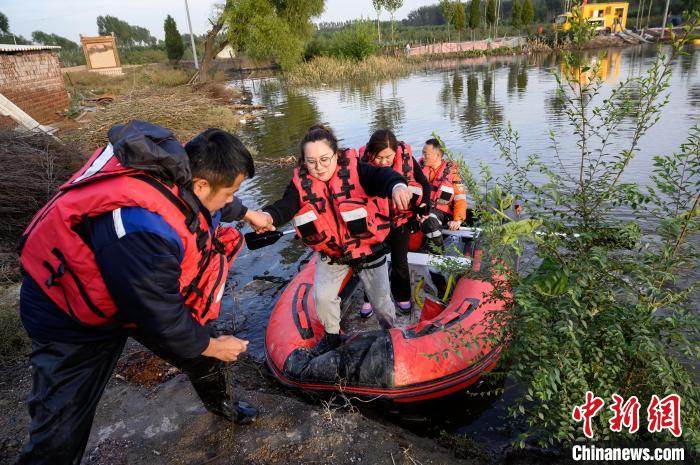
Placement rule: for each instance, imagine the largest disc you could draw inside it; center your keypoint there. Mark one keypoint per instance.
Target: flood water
(455, 99)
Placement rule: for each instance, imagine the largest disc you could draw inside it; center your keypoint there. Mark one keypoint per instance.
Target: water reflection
(388, 112)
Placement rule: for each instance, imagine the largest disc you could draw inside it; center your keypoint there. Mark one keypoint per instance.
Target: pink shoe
(405, 307)
(366, 311)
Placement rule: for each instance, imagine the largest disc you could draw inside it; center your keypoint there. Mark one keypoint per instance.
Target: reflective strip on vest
(461, 197)
(433, 234)
(97, 164)
(415, 190)
(304, 218)
(220, 295)
(353, 215)
(447, 189)
(118, 223)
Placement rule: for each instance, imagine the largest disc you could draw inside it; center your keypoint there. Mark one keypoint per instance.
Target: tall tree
(4, 24)
(271, 29)
(7, 37)
(491, 13)
(528, 13)
(70, 54)
(378, 5)
(425, 16)
(391, 6)
(448, 12)
(475, 14)
(459, 19)
(516, 14)
(173, 40)
(127, 35)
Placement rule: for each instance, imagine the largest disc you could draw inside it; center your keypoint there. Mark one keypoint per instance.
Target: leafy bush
(144, 56)
(357, 41)
(599, 305)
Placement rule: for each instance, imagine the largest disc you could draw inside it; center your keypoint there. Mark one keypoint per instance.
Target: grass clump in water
(332, 70)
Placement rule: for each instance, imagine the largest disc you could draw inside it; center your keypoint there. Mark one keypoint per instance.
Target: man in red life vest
(448, 206)
(131, 246)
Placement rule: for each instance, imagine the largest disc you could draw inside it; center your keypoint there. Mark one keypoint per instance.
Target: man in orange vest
(448, 208)
(131, 246)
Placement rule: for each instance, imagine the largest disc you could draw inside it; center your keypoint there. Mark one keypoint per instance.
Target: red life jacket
(54, 252)
(443, 189)
(403, 164)
(337, 218)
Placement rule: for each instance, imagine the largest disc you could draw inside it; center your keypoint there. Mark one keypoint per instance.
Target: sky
(70, 18)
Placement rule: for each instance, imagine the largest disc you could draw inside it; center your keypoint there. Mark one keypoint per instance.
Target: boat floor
(351, 321)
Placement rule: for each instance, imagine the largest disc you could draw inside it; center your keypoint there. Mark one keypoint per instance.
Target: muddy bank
(151, 414)
(166, 424)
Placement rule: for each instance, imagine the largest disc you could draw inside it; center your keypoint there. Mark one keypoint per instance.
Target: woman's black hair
(219, 157)
(380, 140)
(316, 133)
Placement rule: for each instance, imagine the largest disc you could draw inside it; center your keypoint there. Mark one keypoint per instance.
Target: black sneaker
(327, 343)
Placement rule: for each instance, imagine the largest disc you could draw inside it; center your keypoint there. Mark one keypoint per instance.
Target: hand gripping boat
(404, 364)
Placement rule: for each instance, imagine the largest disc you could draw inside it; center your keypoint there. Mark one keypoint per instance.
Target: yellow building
(610, 17)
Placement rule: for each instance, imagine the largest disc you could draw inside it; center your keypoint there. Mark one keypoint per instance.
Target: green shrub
(357, 41)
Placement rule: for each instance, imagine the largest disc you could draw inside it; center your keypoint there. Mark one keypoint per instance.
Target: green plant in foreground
(600, 304)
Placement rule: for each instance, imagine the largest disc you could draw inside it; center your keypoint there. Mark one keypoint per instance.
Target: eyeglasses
(323, 161)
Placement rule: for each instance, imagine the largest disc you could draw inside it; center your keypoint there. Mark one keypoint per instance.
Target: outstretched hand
(259, 220)
(225, 348)
(401, 197)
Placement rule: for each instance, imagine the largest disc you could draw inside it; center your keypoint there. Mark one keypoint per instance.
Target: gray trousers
(327, 281)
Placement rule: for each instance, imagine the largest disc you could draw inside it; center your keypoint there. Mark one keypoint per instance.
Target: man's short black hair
(219, 157)
(435, 143)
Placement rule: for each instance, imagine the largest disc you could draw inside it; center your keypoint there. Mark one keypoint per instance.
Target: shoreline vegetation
(331, 70)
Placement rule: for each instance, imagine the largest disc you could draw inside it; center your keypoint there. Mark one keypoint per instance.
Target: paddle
(256, 241)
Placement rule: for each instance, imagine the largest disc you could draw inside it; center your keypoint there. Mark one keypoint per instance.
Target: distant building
(101, 54)
(30, 77)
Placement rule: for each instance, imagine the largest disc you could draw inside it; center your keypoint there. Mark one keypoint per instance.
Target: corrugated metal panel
(26, 48)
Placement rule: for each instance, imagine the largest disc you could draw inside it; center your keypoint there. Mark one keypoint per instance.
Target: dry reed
(329, 70)
(182, 110)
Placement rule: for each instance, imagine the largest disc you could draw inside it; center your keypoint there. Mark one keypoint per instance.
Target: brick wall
(33, 82)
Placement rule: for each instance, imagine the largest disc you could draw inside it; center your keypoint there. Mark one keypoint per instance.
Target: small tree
(491, 13)
(448, 13)
(391, 6)
(528, 13)
(378, 5)
(459, 19)
(173, 40)
(516, 14)
(475, 15)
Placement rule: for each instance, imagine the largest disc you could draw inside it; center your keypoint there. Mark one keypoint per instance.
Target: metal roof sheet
(26, 48)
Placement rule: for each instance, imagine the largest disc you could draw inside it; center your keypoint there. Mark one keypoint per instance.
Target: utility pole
(194, 49)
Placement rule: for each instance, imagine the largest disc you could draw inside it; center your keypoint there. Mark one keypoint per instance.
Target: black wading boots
(212, 389)
(327, 343)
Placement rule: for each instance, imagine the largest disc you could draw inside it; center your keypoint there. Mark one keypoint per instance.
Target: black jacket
(376, 182)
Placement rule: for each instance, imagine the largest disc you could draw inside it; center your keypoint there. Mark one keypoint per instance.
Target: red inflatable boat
(404, 364)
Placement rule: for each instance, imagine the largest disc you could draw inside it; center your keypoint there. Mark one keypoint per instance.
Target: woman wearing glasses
(333, 202)
(383, 149)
